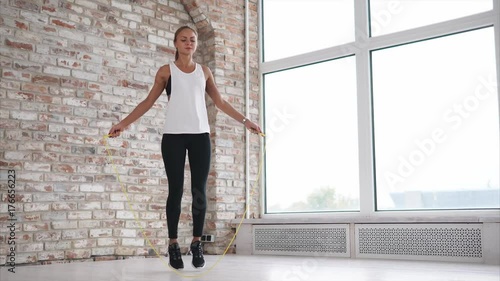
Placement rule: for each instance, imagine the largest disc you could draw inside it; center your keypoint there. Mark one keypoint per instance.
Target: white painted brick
(125, 92)
(105, 52)
(64, 224)
(166, 34)
(58, 245)
(126, 57)
(90, 224)
(125, 232)
(36, 207)
(23, 115)
(156, 224)
(226, 215)
(84, 75)
(94, 68)
(45, 197)
(37, 226)
(132, 16)
(146, 62)
(112, 99)
(113, 205)
(118, 197)
(143, 78)
(89, 169)
(75, 102)
(121, 5)
(89, 206)
(142, 198)
(34, 17)
(125, 215)
(92, 188)
(40, 167)
(225, 159)
(103, 214)
(173, 4)
(118, 46)
(137, 207)
(17, 155)
(84, 243)
(108, 242)
(85, 112)
(73, 35)
(87, 4)
(143, 11)
(99, 233)
(132, 242)
(96, 41)
(158, 40)
(63, 14)
(32, 247)
(108, 251)
(115, 63)
(64, 206)
(135, 224)
(125, 251)
(149, 216)
(77, 254)
(47, 236)
(74, 234)
(31, 106)
(26, 258)
(50, 255)
(80, 215)
(20, 198)
(57, 70)
(58, 128)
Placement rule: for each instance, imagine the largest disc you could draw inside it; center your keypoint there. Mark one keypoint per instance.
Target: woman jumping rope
(186, 130)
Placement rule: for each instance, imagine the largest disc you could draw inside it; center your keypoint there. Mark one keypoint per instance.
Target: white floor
(257, 268)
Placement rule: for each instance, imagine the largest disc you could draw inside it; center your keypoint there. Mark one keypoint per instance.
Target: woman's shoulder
(165, 67)
(205, 68)
(164, 70)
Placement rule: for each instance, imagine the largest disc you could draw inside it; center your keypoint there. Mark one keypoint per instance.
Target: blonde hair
(177, 33)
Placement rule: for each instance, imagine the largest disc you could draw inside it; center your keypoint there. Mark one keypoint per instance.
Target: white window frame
(362, 48)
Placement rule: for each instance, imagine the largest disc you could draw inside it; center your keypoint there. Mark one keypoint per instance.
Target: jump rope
(136, 217)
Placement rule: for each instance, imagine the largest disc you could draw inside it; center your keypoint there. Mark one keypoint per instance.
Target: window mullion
(367, 194)
(496, 11)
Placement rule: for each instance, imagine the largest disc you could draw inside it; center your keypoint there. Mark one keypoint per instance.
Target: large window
(389, 16)
(293, 27)
(311, 126)
(436, 123)
(376, 106)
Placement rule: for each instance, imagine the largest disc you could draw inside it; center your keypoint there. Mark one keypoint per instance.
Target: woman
(186, 130)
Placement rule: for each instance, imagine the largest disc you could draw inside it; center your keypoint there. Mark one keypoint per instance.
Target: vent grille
(320, 240)
(445, 242)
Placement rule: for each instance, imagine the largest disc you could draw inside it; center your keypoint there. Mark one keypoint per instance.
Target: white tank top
(186, 111)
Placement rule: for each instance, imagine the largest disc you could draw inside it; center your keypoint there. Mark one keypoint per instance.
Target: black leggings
(173, 149)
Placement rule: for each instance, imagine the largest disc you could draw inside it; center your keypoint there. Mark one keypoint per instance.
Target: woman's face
(186, 42)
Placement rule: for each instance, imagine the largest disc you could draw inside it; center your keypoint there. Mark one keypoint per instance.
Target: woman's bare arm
(225, 106)
(143, 107)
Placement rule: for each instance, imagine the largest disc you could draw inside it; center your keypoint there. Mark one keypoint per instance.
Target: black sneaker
(197, 252)
(174, 256)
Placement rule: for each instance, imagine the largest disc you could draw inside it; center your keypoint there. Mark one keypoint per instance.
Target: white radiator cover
(440, 242)
(302, 240)
(453, 242)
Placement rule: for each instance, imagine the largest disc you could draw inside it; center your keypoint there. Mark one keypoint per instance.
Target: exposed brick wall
(71, 69)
